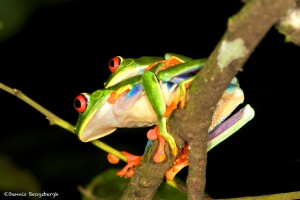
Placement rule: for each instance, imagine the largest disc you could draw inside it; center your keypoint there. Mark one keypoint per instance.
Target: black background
(64, 49)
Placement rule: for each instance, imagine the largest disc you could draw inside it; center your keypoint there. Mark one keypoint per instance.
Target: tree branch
(149, 175)
(289, 24)
(245, 30)
(55, 120)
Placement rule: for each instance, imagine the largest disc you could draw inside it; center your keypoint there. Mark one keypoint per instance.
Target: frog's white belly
(137, 111)
(133, 111)
(139, 114)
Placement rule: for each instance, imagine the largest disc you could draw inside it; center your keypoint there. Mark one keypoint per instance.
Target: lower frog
(144, 92)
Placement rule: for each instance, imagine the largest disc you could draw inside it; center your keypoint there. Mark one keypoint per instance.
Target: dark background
(63, 49)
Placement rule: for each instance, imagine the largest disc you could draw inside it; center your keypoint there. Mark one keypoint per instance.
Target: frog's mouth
(100, 124)
(94, 134)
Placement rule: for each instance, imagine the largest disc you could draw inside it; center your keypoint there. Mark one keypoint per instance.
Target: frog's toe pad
(132, 162)
(160, 154)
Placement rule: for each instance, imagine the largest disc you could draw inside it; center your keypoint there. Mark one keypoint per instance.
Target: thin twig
(244, 32)
(55, 120)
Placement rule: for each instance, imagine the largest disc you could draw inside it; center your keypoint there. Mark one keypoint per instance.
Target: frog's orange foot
(160, 154)
(180, 162)
(132, 162)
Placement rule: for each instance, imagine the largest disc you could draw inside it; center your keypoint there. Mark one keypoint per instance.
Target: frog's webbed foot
(132, 162)
(160, 154)
(180, 162)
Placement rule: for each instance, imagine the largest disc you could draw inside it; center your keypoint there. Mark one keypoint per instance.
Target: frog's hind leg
(231, 98)
(155, 96)
(231, 125)
(215, 137)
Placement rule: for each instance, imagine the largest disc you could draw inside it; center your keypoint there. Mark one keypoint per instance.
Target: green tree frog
(143, 92)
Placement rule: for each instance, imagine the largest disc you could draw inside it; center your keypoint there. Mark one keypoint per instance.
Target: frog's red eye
(114, 63)
(80, 103)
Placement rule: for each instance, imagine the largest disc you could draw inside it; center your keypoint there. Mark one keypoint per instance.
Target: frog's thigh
(153, 92)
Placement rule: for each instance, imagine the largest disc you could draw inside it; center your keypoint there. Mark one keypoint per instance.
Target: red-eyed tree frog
(143, 92)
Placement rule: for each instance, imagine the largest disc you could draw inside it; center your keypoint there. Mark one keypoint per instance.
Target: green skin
(129, 73)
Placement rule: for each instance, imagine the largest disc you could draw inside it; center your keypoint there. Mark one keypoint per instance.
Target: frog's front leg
(154, 94)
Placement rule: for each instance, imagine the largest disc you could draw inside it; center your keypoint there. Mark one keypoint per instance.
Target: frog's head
(93, 121)
(125, 68)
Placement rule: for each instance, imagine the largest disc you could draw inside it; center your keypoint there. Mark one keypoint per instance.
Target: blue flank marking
(231, 87)
(169, 85)
(148, 145)
(136, 89)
